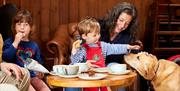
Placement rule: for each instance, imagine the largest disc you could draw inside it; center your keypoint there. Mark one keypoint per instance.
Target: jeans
(72, 89)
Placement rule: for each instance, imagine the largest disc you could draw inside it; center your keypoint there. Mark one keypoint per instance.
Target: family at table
(101, 43)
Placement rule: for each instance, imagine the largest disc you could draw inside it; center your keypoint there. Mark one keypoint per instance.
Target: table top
(110, 80)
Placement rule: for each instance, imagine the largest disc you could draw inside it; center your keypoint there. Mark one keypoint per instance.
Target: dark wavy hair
(22, 16)
(113, 15)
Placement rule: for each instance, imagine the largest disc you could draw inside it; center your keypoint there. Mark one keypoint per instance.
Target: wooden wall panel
(64, 11)
(45, 19)
(143, 11)
(36, 14)
(2, 2)
(54, 15)
(73, 11)
(83, 8)
(48, 14)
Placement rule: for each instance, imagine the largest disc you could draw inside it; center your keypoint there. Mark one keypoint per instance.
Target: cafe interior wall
(48, 14)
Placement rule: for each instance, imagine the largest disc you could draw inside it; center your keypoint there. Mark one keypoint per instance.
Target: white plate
(121, 73)
(68, 76)
(64, 76)
(96, 76)
(105, 69)
(53, 73)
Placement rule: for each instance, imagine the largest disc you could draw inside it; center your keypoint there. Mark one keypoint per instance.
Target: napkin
(35, 66)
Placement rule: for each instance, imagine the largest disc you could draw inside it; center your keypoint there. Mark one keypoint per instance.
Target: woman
(119, 27)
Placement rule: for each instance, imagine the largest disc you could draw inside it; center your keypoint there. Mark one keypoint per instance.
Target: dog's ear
(134, 62)
(144, 63)
(150, 66)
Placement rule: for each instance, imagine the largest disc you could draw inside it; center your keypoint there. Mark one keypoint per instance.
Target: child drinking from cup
(93, 51)
(18, 48)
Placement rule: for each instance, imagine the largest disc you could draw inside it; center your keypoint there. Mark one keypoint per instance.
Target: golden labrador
(164, 75)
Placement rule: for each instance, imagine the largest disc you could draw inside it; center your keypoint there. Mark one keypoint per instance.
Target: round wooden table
(110, 80)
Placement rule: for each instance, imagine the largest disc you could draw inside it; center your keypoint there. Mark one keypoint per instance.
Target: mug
(83, 67)
(71, 69)
(59, 69)
(118, 68)
(66, 69)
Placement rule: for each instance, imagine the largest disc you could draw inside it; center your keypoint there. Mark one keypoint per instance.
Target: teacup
(83, 67)
(66, 69)
(71, 69)
(118, 68)
(59, 69)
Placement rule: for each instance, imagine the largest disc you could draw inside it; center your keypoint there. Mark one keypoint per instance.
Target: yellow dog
(164, 75)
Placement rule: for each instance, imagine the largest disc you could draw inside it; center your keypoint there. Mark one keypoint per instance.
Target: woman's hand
(75, 46)
(133, 47)
(137, 42)
(10, 68)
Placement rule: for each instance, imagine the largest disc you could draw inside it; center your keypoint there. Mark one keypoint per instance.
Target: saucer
(120, 73)
(68, 76)
(64, 76)
(53, 73)
(96, 76)
(103, 70)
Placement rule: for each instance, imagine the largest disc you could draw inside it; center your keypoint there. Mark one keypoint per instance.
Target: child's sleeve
(79, 57)
(109, 49)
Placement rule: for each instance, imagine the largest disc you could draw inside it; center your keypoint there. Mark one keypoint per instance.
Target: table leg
(114, 88)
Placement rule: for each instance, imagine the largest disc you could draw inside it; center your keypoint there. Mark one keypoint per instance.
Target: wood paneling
(73, 10)
(48, 14)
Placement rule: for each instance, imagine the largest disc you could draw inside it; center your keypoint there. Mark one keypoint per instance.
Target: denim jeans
(72, 89)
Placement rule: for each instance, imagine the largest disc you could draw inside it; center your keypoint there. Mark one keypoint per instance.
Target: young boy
(18, 48)
(93, 51)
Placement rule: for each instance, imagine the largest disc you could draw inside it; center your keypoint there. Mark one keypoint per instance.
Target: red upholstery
(175, 58)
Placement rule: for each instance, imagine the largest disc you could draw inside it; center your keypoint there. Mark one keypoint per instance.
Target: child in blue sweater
(18, 48)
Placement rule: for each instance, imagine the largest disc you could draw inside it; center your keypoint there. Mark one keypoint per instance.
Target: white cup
(59, 69)
(71, 69)
(83, 67)
(118, 68)
(66, 69)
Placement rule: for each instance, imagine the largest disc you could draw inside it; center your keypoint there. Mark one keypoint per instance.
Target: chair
(61, 43)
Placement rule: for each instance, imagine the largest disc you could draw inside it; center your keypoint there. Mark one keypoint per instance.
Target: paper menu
(35, 66)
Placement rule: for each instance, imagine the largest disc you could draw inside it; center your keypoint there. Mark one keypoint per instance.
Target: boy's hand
(91, 65)
(75, 46)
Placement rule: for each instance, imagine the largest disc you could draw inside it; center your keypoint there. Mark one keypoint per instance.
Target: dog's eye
(138, 57)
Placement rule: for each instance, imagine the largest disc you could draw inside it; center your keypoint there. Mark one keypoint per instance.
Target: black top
(122, 38)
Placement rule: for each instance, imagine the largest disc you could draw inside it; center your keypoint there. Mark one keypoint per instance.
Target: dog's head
(144, 63)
